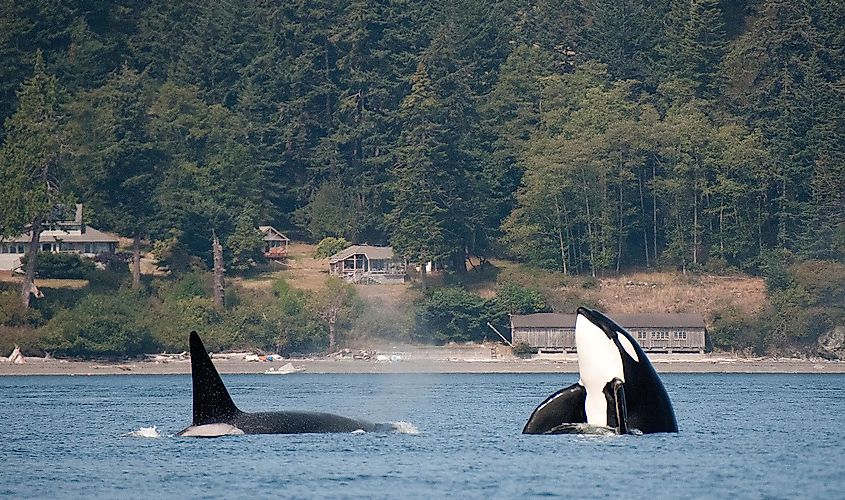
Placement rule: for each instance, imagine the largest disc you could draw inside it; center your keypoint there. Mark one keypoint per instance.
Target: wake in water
(392, 428)
(146, 432)
(587, 429)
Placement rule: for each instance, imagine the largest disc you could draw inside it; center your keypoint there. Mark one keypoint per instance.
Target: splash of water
(146, 432)
(405, 428)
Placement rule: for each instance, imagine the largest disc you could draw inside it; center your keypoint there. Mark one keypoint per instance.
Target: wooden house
(69, 236)
(275, 243)
(667, 333)
(367, 264)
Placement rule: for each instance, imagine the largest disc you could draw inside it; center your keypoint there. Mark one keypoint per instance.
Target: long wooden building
(667, 333)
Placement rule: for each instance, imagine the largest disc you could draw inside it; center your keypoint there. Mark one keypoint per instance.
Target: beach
(463, 359)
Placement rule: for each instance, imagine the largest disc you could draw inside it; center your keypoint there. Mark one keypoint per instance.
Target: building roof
(639, 320)
(90, 235)
(272, 234)
(372, 252)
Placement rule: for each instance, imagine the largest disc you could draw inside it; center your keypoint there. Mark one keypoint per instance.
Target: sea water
(741, 435)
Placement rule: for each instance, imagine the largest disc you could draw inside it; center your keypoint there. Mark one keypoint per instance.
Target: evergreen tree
(118, 168)
(32, 161)
(622, 34)
(420, 223)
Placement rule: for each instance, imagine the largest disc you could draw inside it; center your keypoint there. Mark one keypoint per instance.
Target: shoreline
(328, 365)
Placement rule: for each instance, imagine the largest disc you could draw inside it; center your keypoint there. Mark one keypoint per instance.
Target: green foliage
(101, 325)
(514, 299)
(13, 313)
(245, 244)
(736, 330)
(454, 315)
(61, 265)
(585, 137)
(522, 349)
(329, 246)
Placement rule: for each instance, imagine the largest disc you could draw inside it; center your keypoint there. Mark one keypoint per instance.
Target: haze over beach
(425, 360)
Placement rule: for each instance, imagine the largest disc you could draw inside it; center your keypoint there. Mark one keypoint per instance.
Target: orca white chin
(211, 430)
(598, 363)
(618, 391)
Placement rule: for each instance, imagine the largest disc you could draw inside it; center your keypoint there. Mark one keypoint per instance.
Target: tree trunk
(332, 338)
(218, 291)
(560, 238)
(642, 217)
(459, 261)
(590, 234)
(136, 262)
(29, 272)
(695, 224)
(654, 209)
(621, 230)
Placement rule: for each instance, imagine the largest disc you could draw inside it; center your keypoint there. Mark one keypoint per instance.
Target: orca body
(215, 414)
(618, 389)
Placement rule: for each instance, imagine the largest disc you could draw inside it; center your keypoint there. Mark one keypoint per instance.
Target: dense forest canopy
(583, 136)
(586, 136)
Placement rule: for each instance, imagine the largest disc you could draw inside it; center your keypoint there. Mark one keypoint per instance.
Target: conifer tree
(32, 162)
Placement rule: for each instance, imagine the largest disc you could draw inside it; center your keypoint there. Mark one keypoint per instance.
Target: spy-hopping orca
(215, 414)
(618, 389)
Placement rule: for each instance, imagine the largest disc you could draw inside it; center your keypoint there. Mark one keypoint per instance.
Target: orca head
(603, 351)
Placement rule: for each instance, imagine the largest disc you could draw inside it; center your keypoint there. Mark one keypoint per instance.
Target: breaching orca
(215, 414)
(618, 388)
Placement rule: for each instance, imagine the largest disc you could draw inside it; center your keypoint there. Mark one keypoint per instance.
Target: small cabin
(275, 243)
(659, 333)
(367, 264)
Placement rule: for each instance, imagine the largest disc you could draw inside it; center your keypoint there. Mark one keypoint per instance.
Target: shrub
(454, 314)
(330, 246)
(61, 265)
(101, 325)
(514, 299)
(13, 313)
(522, 349)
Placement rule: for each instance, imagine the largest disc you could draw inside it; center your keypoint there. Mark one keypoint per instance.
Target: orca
(618, 387)
(215, 414)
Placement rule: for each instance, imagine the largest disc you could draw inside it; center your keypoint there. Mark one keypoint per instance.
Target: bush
(13, 313)
(101, 325)
(454, 314)
(522, 349)
(514, 299)
(30, 340)
(61, 265)
(330, 246)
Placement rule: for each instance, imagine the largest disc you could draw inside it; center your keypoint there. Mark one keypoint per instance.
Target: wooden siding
(670, 340)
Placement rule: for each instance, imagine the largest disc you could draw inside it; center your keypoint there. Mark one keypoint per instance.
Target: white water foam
(405, 428)
(146, 432)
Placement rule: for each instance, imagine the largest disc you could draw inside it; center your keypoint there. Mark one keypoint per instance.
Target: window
(46, 247)
(87, 248)
(642, 335)
(660, 335)
(680, 335)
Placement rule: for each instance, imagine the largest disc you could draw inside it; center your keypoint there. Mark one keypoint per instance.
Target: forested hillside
(583, 136)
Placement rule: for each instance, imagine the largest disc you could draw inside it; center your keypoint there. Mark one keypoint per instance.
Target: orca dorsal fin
(212, 402)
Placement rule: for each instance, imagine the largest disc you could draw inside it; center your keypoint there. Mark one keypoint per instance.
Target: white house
(58, 237)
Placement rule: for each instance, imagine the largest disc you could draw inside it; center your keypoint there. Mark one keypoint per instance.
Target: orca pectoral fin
(617, 407)
(212, 402)
(566, 406)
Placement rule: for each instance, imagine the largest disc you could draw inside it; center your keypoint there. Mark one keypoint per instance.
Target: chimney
(78, 218)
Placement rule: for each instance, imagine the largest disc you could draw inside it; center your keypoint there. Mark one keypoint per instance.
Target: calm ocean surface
(749, 436)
